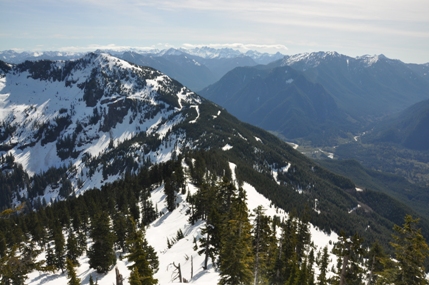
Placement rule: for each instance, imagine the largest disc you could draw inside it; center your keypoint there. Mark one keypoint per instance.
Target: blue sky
(397, 28)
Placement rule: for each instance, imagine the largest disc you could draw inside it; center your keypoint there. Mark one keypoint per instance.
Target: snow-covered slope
(56, 114)
(181, 252)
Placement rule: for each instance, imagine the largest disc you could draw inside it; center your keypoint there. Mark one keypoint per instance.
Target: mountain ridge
(390, 85)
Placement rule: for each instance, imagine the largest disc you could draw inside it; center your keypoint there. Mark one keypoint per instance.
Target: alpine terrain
(114, 172)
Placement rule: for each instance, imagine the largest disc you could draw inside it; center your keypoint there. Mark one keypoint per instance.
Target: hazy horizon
(396, 29)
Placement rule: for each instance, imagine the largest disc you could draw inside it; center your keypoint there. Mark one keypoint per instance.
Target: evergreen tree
(286, 258)
(303, 238)
(226, 192)
(50, 258)
(349, 252)
(15, 266)
(134, 207)
(323, 267)
(300, 274)
(144, 258)
(375, 256)
(135, 278)
(3, 246)
(236, 257)
(411, 251)
(120, 229)
(101, 254)
(36, 229)
(170, 193)
(59, 246)
(264, 246)
(206, 246)
(82, 241)
(148, 211)
(207, 208)
(310, 271)
(73, 250)
(71, 273)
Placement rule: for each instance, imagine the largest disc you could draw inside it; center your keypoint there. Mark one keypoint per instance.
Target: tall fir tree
(349, 252)
(73, 251)
(411, 251)
(144, 258)
(206, 207)
(375, 256)
(148, 211)
(264, 246)
(286, 258)
(236, 255)
(71, 273)
(50, 258)
(101, 254)
(170, 193)
(323, 263)
(120, 229)
(59, 245)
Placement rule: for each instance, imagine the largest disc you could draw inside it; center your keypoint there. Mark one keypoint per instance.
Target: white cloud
(93, 47)
(241, 46)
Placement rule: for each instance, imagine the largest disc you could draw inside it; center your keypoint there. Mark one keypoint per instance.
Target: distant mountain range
(196, 67)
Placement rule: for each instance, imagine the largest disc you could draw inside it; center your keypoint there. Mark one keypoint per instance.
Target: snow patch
(215, 116)
(275, 172)
(198, 114)
(293, 145)
(226, 147)
(354, 209)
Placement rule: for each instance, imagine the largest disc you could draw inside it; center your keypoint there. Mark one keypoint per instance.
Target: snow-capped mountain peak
(310, 60)
(369, 60)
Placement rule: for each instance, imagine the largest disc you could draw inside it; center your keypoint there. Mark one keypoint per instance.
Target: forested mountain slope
(279, 99)
(409, 129)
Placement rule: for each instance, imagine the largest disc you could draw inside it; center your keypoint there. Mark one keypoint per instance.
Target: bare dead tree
(177, 273)
(119, 278)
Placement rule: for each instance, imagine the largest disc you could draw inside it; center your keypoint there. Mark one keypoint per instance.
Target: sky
(398, 29)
